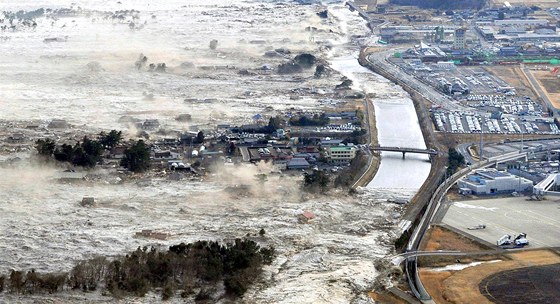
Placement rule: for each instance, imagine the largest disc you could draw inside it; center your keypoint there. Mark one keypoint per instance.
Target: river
(397, 126)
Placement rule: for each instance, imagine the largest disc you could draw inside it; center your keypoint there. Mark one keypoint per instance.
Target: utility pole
(481, 145)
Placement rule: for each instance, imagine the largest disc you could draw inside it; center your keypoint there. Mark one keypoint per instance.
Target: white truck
(519, 241)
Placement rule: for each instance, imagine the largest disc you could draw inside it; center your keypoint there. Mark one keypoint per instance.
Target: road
(538, 89)
(380, 59)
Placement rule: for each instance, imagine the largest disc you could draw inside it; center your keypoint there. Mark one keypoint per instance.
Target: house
(165, 155)
(298, 164)
(327, 142)
(58, 124)
(16, 138)
(150, 124)
(70, 176)
(306, 217)
(117, 152)
(87, 201)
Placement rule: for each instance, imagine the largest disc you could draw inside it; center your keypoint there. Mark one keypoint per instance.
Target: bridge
(404, 150)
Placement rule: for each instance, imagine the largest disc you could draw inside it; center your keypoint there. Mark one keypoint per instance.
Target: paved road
(540, 91)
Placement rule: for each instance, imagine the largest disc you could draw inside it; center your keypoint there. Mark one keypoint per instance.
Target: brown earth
(385, 298)
(514, 77)
(463, 286)
(440, 238)
(550, 84)
(541, 3)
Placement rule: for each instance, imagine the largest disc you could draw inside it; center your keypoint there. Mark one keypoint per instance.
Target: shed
(58, 124)
(88, 201)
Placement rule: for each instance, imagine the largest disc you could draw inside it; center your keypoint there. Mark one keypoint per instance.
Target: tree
(501, 16)
(318, 180)
(137, 157)
(275, 123)
(17, 281)
(64, 153)
(45, 147)
(199, 137)
(87, 154)
(455, 160)
(110, 140)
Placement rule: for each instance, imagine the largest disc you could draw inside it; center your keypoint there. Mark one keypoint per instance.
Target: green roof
(342, 148)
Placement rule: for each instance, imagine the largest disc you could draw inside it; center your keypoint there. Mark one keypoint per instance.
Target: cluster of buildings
(286, 147)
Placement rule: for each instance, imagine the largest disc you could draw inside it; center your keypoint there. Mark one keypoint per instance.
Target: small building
(148, 233)
(298, 164)
(58, 124)
(117, 152)
(150, 124)
(341, 154)
(306, 217)
(492, 181)
(71, 176)
(327, 142)
(87, 201)
(16, 138)
(166, 155)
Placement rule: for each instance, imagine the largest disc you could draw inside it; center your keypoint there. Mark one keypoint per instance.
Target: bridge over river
(404, 150)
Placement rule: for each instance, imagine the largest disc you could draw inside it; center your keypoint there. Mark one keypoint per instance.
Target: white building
(459, 41)
(341, 154)
(492, 181)
(521, 22)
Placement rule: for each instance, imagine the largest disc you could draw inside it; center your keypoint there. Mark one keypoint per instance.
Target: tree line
(89, 152)
(200, 269)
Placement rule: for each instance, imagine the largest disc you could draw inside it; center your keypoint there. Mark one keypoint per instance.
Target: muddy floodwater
(79, 65)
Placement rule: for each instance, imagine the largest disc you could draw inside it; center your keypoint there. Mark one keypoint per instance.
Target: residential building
(298, 164)
(341, 154)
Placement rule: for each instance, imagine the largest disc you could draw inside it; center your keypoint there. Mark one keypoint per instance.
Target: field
(541, 3)
(463, 286)
(550, 84)
(514, 77)
(533, 285)
(440, 238)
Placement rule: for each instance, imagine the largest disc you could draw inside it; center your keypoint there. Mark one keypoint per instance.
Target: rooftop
(342, 148)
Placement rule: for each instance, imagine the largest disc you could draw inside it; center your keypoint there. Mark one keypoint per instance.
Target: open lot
(539, 219)
(541, 3)
(550, 85)
(534, 285)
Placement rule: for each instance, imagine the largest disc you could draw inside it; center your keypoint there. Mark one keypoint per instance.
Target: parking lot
(540, 220)
(477, 79)
(457, 122)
